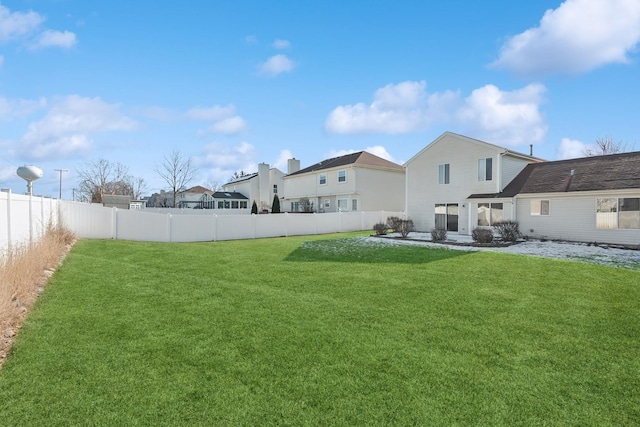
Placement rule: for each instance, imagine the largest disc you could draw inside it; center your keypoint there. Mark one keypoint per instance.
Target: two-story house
(260, 186)
(358, 181)
(452, 183)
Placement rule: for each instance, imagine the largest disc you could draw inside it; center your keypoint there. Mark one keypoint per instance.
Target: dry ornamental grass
(24, 271)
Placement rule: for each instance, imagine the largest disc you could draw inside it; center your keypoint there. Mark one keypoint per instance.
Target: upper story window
(342, 176)
(540, 207)
(485, 169)
(275, 189)
(323, 179)
(443, 173)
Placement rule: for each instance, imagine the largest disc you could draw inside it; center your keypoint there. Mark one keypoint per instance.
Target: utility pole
(61, 171)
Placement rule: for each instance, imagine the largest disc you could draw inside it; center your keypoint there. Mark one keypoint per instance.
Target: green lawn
(325, 331)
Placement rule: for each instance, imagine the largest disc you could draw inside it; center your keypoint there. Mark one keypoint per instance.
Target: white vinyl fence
(24, 218)
(91, 221)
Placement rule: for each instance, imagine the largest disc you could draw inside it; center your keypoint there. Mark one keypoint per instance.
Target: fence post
(169, 216)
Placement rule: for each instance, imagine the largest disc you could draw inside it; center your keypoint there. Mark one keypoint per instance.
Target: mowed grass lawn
(325, 330)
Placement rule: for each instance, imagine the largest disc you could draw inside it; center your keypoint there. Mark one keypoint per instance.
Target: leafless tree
(238, 175)
(139, 186)
(177, 171)
(212, 185)
(100, 177)
(306, 205)
(606, 145)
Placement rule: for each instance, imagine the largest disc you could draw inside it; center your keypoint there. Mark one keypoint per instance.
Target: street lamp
(61, 171)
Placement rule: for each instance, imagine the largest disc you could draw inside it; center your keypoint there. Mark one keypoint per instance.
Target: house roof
(597, 173)
(359, 158)
(229, 195)
(198, 189)
(243, 178)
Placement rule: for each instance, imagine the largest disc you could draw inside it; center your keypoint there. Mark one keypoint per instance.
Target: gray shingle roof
(360, 158)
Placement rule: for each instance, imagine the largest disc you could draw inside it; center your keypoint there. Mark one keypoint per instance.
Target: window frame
(345, 202)
(342, 176)
(275, 188)
(322, 179)
(617, 208)
(492, 206)
(485, 169)
(444, 173)
(540, 211)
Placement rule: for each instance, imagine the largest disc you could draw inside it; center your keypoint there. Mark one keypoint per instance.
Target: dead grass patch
(24, 271)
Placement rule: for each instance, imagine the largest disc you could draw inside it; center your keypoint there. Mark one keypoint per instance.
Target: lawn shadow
(361, 250)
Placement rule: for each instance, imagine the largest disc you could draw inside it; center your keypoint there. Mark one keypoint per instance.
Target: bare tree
(607, 145)
(100, 177)
(238, 175)
(212, 185)
(139, 186)
(306, 205)
(177, 171)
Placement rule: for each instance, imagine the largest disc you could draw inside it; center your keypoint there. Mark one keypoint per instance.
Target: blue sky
(234, 83)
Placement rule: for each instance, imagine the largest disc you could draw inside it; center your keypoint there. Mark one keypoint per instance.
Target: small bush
(482, 235)
(394, 223)
(438, 234)
(509, 231)
(380, 228)
(406, 227)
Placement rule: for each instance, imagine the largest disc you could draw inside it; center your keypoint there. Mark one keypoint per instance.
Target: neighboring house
(259, 186)
(190, 198)
(225, 200)
(441, 178)
(591, 199)
(355, 182)
(163, 199)
(116, 201)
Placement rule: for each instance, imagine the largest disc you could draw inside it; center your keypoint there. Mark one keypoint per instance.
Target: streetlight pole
(61, 171)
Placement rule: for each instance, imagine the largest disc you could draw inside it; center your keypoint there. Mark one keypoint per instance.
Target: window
(342, 176)
(295, 206)
(485, 169)
(621, 213)
(327, 203)
(540, 208)
(220, 204)
(275, 189)
(443, 173)
(243, 204)
(342, 205)
(490, 213)
(234, 204)
(323, 179)
(446, 216)
(227, 204)
(354, 204)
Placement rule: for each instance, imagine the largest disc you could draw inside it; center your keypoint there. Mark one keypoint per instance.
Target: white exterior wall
(275, 178)
(508, 211)
(249, 188)
(308, 185)
(424, 191)
(380, 190)
(511, 167)
(572, 217)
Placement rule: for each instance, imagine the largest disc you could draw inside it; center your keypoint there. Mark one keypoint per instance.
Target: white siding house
(259, 187)
(447, 182)
(355, 182)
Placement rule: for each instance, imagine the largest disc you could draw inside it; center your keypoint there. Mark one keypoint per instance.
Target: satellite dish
(29, 173)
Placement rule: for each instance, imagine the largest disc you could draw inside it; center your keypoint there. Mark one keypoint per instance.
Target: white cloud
(506, 118)
(220, 161)
(502, 117)
(571, 149)
(17, 108)
(230, 126)
(67, 128)
(401, 108)
(49, 38)
(17, 24)
(277, 64)
(281, 44)
(281, 162)
(578, 36)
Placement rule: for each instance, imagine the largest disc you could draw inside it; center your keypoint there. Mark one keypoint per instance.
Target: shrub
(438, 234)
(394, 223)
(508, 230)
(254, 208)
(380, 228)
(406, 227)
(275, 206)
(482, 235)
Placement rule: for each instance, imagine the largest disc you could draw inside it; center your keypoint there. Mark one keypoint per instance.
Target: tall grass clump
(24, 271)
